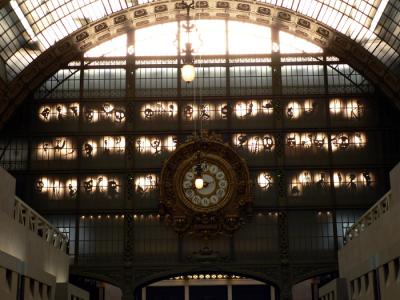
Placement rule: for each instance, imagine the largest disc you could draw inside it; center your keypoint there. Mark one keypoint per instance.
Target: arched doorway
(208, 286)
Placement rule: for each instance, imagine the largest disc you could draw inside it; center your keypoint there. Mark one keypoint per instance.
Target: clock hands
(206, 183)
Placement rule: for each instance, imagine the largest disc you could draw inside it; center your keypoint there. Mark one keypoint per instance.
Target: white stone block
(7, 192)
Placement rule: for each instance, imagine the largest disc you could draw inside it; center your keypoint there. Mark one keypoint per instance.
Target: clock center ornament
(205, 188)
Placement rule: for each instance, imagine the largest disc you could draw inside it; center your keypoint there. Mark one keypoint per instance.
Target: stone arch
(307, 273)
(270, 276)
(150, 14)
(113, 278)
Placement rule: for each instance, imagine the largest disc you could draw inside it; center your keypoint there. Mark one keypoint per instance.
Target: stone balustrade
(374, 213)
(32, 220)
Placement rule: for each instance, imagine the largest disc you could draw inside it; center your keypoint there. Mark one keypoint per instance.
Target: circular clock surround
(218, 177)
(222, 205)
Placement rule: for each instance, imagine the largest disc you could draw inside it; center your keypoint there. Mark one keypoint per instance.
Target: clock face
(223, 202)
(215, 186)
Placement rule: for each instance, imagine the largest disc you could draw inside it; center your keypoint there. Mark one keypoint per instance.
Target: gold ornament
(224, 201)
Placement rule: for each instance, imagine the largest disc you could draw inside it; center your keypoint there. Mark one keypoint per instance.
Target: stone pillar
(7, 192)
(229, 289)
(144, 293)
(272, 292)
(186, 289)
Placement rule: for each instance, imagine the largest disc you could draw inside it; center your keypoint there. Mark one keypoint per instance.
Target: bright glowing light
(344, 141)
(354, 109)
(254, 143)
(335, 106)
(155, 145)
(188, 73)
(305, 177)
(56, 188)
(151, 111)
(264, 180)
(205, 111)
(58, 112)
(147, 183)
(293, 110)
(131, 49)
(58, 148)
(199, 183)
(358, 140)
(292, 139)
(309, 106)
(338, 179)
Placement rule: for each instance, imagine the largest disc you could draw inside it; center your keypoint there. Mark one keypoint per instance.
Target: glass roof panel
(114, 47)
(293, 44)
(245, 38)
(157, 40)
(36, 25)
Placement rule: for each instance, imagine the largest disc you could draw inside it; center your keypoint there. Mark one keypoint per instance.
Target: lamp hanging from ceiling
(188, 70)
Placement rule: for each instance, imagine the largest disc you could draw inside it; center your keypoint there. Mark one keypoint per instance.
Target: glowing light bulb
(199, 183)
(188, 73)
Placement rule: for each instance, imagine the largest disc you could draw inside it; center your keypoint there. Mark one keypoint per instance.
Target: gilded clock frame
(212, 158)
(225, 217)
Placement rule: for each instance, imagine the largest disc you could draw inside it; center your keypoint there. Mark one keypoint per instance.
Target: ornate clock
(222, 201)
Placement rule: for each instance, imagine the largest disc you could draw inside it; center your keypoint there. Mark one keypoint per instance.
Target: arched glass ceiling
(29, 27)
(243, 38)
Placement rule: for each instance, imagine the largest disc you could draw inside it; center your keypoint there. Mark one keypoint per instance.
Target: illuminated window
(308, 179)
(59, 148)
(155, 145)
(105, 146)
(353, 180)
(254, 143)
(354, 109)
(58, 112)
(296, 109)
(55, 188)
(104, 112)
(101, 184)
(146, 183)
(349, 109)
(264, 180)
(159, 110)
(307, 140)
(246, 109)
(344, 141)
(205, 111)
(293, 110)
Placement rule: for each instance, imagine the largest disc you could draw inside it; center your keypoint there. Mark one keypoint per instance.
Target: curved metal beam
(249, 273)
(155, 13)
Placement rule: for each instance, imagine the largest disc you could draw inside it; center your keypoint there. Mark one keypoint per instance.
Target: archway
(146, 15)
(208, 285)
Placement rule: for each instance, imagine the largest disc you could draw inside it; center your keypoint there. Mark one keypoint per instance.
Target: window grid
(15, 154)
(100, 235)
(303, 79)
(104, 83)
(65, 224)
(250, 80)
(153, 82)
